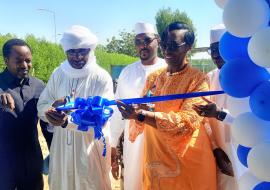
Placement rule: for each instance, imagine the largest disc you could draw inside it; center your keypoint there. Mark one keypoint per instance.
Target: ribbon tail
(164, 98)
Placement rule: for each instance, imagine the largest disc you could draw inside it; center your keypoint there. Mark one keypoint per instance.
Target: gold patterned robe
(178, 152)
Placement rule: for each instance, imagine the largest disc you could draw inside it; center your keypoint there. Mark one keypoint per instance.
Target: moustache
(23, 70)
(79, 62)
(144, 49)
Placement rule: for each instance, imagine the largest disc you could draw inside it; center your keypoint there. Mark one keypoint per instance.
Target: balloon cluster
(245, 47)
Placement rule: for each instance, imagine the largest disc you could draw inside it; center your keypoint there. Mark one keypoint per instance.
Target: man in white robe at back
(76, 161)
(222, 120)
(130, 85)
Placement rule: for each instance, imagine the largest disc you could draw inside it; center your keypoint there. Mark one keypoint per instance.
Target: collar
(185, 68)
(10, 79)
(153, 66)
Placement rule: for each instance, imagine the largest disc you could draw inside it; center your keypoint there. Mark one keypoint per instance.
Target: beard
(144, 54)
(78, 65)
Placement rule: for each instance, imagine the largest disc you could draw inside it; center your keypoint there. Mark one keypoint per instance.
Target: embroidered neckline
(179, 72)
(73, 88)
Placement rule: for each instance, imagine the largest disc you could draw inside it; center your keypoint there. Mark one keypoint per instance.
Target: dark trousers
(21, 172)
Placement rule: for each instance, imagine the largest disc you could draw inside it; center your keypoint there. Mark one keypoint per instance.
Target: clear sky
(104, 17)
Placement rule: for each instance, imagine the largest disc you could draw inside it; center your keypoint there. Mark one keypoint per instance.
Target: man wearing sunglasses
(130, 85)
(76, 160)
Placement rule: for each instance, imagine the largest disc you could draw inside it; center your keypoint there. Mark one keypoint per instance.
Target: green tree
(3, 39)
(122, 45)
(46, 56)
(100, 47)
(165, 16)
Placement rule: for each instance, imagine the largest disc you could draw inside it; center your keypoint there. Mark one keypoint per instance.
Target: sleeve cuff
(71, 125)
(228, 119)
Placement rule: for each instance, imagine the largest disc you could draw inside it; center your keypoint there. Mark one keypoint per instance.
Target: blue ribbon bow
(91, 112)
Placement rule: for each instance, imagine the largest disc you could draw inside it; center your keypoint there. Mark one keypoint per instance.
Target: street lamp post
(53, 13)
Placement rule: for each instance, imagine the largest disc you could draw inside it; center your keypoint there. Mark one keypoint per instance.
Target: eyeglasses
(77, 52)
(213, 51)
(171, 46)
(146, 41)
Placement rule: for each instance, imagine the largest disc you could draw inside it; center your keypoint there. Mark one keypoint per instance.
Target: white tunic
(225, 141)
(130, 85)
(76, 161)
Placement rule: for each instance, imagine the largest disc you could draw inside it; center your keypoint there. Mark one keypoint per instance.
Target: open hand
(208, 110)
(7, 101)
(56, 118)
(127, 111)
(223, 162)
(114, 164)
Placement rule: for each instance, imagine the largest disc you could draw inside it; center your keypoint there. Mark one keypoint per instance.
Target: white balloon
(249, 130)
(259, 47)
(259, 161)
(248, 181)
(243, 18)
(236, 106)
(221, 3)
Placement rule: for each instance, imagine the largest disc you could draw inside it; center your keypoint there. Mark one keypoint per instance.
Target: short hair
(7, 47)
(189, 37)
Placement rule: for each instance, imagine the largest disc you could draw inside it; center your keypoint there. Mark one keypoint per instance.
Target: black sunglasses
(78, 52)
(213, 49)
(171, 46)
(146, 41)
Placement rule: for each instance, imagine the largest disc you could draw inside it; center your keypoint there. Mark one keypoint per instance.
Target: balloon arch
(245, 47)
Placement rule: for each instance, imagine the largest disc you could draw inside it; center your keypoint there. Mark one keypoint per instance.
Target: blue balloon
(242, 153)
(240, 77)
(260, 101)
(262, 186)
(232, 47)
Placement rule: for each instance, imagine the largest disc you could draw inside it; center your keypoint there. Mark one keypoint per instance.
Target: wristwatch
(221, 115)
(141, 117)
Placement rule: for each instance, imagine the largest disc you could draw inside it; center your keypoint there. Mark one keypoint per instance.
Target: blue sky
(104, 17)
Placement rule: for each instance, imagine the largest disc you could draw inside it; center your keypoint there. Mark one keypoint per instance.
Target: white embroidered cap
(144, 27)
(78, 37)
(216, 33)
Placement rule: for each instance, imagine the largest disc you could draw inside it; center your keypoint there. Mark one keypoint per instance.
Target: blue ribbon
(95, 111)
(91, 112)
(164, 98)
